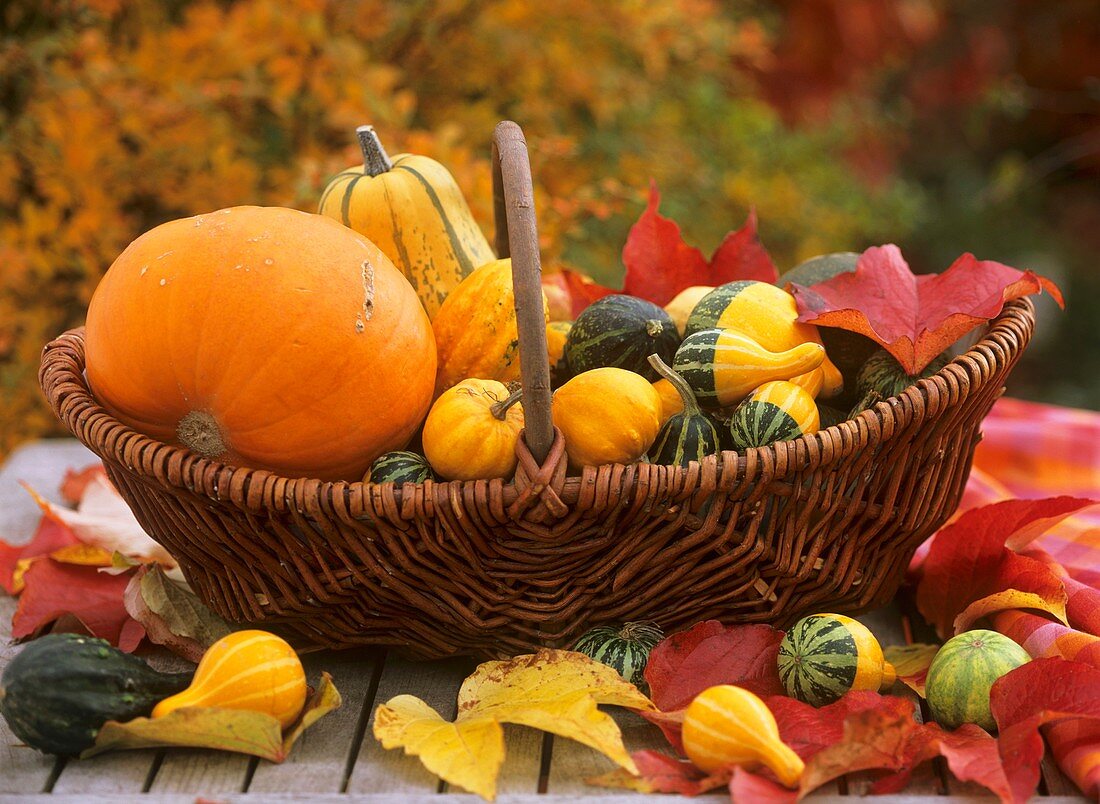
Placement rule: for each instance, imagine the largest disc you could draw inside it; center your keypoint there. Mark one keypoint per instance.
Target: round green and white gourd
(776, 411)
(824, 656)
(400, 467)
(625, 648)
(687, 436)
(962, 673)
(883, 374)
(622, 332)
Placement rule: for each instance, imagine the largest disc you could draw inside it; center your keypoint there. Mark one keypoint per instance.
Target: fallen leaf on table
(969, 573)
(553, 690)
(1039, 692)
(50, 535)
(171, 614)
(911, 663)
(683, 665)
(76, 481)
(235, 730)
(103, 519)
(660, 773)
(915, 318)
(53, 589)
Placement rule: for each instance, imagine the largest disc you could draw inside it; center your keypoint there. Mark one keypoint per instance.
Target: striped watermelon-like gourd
(962, 673)
(776, 411)
(884, 375)
(625, 648)
(399, 467)
(621, 331)
(687, 436)
(723, 366)
(824, 656)
(765, 313)
(413, 210)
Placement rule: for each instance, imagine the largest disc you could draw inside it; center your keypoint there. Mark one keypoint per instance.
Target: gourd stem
(691, 406)
(499, 409)
(375, 158)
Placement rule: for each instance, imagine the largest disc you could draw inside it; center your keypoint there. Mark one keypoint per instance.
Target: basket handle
(517, 237)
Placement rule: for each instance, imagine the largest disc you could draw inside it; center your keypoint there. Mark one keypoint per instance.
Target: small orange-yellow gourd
(607, 415)
(472, 430)
(251, 670)
(727, 725)
(671, 401)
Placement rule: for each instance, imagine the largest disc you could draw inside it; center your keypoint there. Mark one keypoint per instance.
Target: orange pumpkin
(262, 337)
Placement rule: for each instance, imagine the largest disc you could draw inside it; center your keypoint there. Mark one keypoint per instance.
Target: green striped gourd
(885, 376)
(412, 209)
(687, 436)
(723, 366)
(961, 675)
(626, 648)
(399, 467)
(620, 331)
(824, 656)
(768, 315)
(776, 411)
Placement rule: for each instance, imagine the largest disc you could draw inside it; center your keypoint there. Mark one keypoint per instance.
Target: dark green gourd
(626, 648)
(621, 331)
(687, 436)
(60, 690)
(399, 467)
(885, 376)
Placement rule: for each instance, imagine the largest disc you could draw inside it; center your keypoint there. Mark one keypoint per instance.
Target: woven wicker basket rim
(90, 422)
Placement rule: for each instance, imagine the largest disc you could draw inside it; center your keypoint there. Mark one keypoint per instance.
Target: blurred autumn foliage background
(942, 126)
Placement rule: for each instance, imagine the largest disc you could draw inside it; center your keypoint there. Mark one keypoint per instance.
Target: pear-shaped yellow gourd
(728, 725)
(251, 670)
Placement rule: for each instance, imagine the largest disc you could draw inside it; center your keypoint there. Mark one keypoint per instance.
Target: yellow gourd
(472, 430)
(671, 401)
(823, 656)
(607, 415)
(728, 725)
(556, 333)
(251, 670)
(476, 334)
(679, 309)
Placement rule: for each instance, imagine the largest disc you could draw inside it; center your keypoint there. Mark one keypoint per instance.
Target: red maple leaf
(915, 318)
(51, 535)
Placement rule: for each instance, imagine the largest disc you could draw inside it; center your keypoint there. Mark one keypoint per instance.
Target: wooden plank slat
(377, 770)
(201, 772)
(320, 759)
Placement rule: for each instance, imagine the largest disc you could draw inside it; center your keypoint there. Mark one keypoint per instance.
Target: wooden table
(338, 760)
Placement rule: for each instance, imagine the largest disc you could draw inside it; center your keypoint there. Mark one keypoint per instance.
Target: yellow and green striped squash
(765, 313)
(962, 674)
(776, 411)
(412, 209)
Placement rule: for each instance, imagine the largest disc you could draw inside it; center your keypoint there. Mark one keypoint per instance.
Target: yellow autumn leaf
(552, 690)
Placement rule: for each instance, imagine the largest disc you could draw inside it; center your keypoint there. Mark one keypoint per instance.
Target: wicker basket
(825, 522)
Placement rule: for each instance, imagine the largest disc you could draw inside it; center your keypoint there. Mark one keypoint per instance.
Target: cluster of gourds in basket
(324, 345)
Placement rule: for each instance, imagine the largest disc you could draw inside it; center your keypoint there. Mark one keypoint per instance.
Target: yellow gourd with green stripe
(412, 209)
(728, 725)
(251, 670)
(768, 315)
(776, 411)
(723, 366)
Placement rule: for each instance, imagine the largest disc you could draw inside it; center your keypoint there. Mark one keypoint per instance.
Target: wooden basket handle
(517, 237)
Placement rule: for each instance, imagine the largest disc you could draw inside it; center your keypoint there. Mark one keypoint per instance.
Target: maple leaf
(552, 690)
(1041, 691)
(660, 773)
(54, 589)
(50, 535)
(237, 730)
(76, 481)
(709, 653)
(969, 572)
(915, 318)
(911, 663)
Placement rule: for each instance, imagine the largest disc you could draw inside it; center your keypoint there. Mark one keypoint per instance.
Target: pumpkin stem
(199, 432)
(654, 327)
(499, 409)
(375, 158)
(691, 406)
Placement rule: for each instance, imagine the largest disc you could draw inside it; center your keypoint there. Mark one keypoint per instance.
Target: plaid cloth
(1030, 451)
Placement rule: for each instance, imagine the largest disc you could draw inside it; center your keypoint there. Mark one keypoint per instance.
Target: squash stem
(499, 409)
(691, 405)
(375, 158)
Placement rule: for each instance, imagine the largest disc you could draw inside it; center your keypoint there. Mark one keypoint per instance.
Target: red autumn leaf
(807, 729)
(748, 786)
(76, 481)
(54, 589)
(915, 317)
(582, 290)
(659, 264)
(50, 535)
(671, 725)
(1041, 691)
(969, 573)
(709, 653)
(911, 663)
(660, 773)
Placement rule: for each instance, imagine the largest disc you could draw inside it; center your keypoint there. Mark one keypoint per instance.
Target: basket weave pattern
(828, 521)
